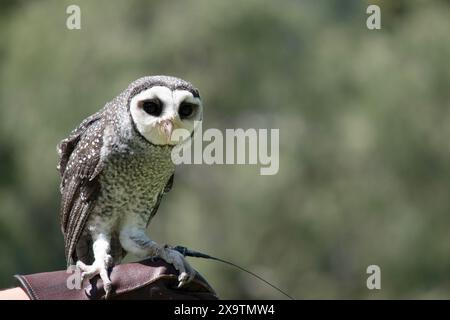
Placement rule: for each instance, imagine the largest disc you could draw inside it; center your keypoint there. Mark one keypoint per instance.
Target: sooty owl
(115, 168)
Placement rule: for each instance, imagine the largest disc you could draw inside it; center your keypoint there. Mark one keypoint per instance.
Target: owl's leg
(102, 262)
(136, 241)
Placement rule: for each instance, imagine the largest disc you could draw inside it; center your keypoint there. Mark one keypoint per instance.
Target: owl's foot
(187, 273)
(99, 267)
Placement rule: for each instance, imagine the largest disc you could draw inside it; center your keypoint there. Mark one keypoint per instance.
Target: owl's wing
(166, 189)
(66, 146)
(80, 164)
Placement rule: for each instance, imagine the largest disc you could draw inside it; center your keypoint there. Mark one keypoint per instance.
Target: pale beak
(167, 128)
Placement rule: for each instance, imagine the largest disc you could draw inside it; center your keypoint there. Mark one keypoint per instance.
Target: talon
(108, 290)
(183, 278)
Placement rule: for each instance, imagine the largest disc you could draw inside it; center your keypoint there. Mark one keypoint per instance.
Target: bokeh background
(364, 119)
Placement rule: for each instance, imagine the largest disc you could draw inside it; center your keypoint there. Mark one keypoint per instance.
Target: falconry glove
(151, 279)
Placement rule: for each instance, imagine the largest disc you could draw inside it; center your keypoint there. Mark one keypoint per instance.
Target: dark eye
(186, 110)
(152, 107)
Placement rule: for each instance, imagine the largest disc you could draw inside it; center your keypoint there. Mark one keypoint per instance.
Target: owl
(115, 168)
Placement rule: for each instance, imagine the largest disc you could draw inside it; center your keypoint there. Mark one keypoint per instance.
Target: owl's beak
(167, 128)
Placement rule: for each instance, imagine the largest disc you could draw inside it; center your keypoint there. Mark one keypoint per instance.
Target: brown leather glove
(145, 280)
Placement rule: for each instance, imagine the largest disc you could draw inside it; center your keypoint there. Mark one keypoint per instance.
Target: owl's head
(161, 104)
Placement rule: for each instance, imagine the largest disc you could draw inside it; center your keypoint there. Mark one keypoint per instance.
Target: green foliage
(364, 119)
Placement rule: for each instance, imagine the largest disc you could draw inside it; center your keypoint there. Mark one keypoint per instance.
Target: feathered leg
(103, 261)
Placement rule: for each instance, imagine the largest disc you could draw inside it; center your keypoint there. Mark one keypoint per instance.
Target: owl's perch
(151, 279)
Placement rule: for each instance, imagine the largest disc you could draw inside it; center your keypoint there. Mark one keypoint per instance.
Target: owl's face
(158, 111)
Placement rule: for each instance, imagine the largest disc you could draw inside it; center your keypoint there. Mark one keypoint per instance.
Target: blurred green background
(364, 119)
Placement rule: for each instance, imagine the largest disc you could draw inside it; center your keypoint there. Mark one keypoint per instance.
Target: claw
(108, 290)
(183, 278)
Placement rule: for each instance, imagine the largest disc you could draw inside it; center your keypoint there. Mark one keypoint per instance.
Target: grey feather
(79, 168)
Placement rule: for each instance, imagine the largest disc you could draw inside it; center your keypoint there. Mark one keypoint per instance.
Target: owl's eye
(186, 110)
(152, 107)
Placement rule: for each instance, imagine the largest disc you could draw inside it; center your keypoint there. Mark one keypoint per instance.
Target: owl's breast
(130, 184)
